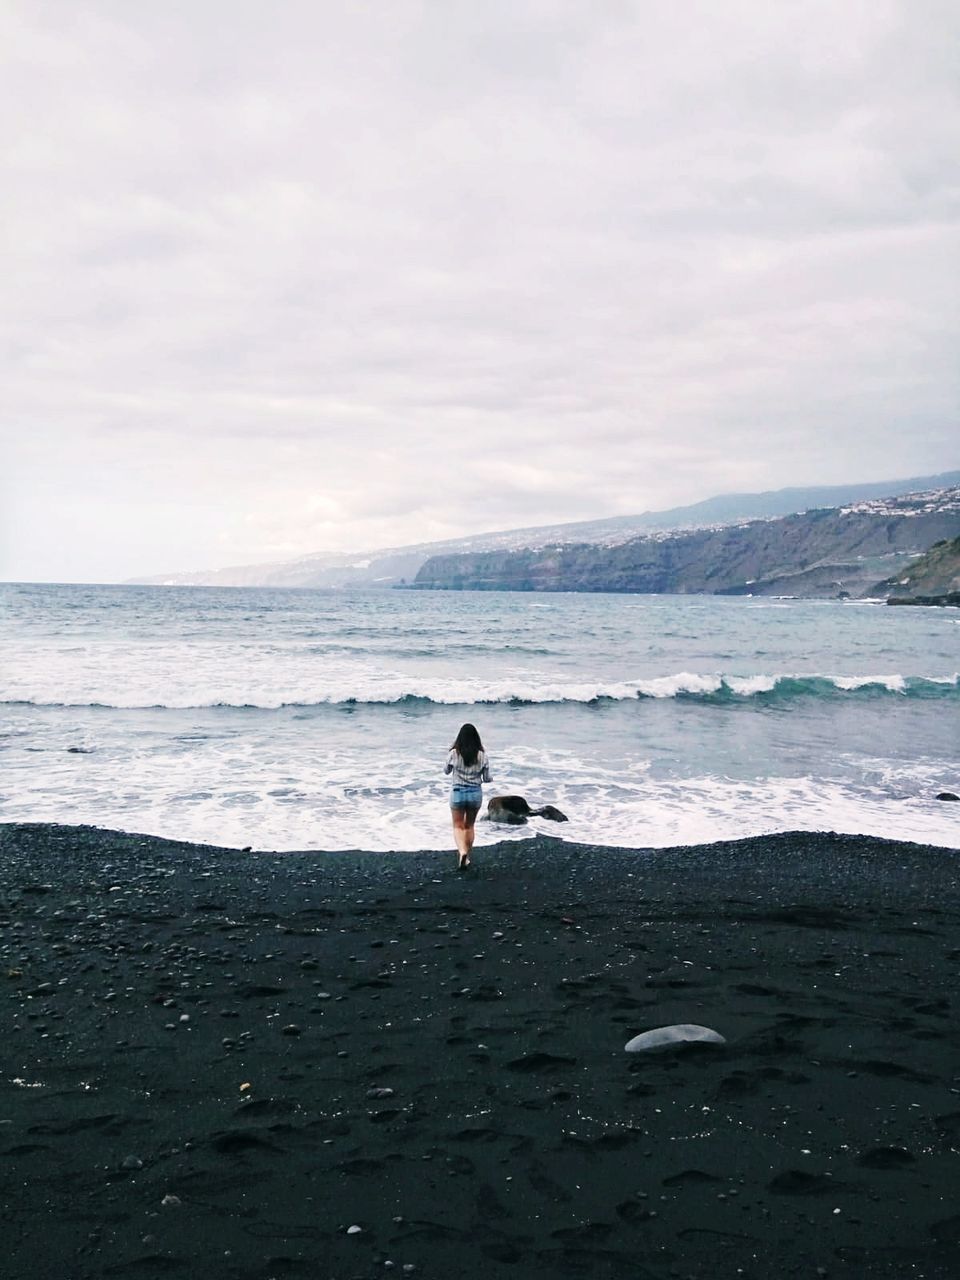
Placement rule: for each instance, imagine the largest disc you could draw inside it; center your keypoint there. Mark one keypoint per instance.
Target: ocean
(305, 719)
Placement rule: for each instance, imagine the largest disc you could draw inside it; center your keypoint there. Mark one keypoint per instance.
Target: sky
(323, 276)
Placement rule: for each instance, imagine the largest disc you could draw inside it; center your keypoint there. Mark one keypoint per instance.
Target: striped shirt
(468, 775)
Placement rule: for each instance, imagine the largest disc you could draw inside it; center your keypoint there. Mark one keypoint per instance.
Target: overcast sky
(283, 277)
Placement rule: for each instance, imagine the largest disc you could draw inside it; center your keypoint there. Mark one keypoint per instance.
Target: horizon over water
(296, 719)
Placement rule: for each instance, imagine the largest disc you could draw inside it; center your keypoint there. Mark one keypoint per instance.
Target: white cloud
(282, 279)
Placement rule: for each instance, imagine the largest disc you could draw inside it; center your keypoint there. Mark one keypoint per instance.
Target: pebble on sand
(678, 1033)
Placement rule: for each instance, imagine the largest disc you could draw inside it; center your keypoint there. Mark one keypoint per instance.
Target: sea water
(321, 719)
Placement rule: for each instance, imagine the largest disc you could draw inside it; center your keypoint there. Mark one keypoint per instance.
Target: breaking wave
(683, 686)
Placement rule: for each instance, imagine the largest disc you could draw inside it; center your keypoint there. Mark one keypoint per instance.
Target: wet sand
(218, 1064)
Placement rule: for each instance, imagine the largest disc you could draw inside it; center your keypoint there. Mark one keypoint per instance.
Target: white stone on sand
(679, 1033)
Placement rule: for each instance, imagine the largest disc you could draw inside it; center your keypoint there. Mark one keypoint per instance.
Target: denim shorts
(465, 797)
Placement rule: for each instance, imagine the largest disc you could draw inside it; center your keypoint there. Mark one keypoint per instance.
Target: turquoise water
(320, 719)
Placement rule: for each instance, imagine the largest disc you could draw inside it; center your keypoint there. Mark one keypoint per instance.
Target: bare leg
(469, 832)
(460, 833)
(463, 833)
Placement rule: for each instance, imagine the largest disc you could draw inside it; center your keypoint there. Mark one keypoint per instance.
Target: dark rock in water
(515, 810)
(946, 599)
(947, 795)
(79, 751)
(505, 816)
(549, 811)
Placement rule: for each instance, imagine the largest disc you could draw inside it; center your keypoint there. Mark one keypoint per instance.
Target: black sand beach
(220, 1064)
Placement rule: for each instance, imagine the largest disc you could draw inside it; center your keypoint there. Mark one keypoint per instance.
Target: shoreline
(439, 1059)
(491, 836)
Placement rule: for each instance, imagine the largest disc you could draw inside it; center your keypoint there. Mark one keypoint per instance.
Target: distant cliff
(831, 552)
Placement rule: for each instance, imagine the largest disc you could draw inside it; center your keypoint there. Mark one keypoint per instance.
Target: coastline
(439, 1059)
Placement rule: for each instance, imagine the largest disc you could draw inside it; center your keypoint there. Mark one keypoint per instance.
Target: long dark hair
(467, 745)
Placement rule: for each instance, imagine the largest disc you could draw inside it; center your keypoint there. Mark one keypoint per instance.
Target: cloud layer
(303, 277)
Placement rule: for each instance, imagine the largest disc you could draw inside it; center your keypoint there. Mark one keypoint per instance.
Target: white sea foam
(747, 686)
(683, 682)
(895, 683)
(288, 787)
(269, 808)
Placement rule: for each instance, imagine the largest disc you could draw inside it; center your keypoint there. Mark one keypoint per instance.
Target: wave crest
(684, 685)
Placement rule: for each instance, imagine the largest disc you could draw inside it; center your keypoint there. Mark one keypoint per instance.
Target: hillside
(933, 579)
(398, 565)
(830, 552)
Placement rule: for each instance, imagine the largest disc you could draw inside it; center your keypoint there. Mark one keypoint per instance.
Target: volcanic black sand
(221, 1064)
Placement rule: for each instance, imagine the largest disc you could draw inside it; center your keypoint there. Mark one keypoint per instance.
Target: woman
(468, 763)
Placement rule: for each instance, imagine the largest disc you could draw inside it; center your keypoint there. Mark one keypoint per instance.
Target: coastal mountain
(400, 565)
(837, 551)
(735, 507)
